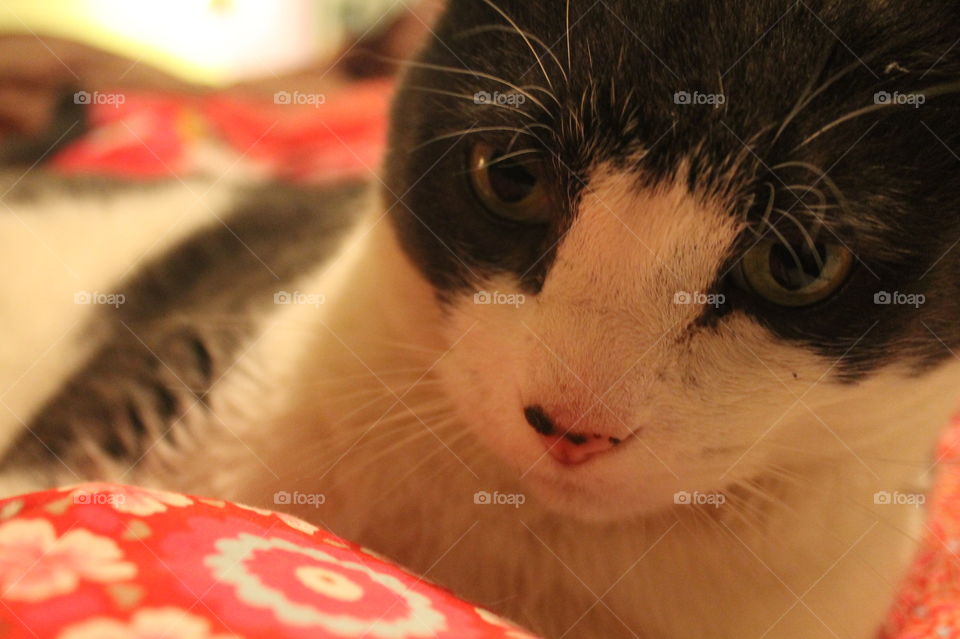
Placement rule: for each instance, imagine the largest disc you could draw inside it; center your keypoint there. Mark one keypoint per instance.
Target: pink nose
(572, 450)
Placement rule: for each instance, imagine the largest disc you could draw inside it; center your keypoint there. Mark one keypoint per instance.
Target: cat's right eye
(511, 187)
(794, 276)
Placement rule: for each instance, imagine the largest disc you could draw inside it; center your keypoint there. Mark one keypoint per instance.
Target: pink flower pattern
(36, 564)
(115, 562)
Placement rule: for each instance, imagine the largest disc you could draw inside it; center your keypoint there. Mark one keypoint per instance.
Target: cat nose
(568, 448)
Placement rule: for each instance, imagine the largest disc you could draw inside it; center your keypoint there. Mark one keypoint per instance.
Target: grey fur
(187, 316)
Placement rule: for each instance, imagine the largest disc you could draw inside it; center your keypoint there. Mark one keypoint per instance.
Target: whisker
(478, 74)
(803, 102)
(786, 245)
(767, 212)
(465, 132)
(472, 99)
(934, 92)
(823, 177)
(523, 35)
(505, 29)
(806, 236)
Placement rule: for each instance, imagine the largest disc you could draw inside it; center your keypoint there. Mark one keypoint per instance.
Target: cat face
(677, 249)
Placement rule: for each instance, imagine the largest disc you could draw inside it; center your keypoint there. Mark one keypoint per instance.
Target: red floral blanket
(112, 562)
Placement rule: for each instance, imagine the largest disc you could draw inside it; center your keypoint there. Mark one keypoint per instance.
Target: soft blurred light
(213, 41)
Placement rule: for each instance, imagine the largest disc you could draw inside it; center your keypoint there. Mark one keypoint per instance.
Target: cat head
(681, 245)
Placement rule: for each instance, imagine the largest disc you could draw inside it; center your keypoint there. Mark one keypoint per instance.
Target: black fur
(894, 173)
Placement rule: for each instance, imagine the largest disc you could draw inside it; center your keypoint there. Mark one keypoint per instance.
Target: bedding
(101, 561)
(105, 562)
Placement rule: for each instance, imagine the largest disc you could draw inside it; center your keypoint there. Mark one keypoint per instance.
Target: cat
(647, 328)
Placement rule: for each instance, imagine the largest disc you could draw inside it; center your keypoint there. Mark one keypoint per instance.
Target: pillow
(101, 561)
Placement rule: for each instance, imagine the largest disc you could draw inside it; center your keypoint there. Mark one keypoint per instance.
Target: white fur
(399, 414)
(63, 244)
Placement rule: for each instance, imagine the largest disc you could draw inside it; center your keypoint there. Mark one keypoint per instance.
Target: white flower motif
(329, 583)
(254, 509)
(150, 623)
(131, 500)
(231, 565)
(336, 543)
(513, 632)
(297, 524)
(35, 564)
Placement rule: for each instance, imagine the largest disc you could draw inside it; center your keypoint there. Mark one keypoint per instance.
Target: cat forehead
(722, 86)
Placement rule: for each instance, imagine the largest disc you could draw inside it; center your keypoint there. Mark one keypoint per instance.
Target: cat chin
(600, 495)
(590, 508)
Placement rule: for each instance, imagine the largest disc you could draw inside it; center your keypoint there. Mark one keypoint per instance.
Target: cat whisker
(527, 34)
(811, 244)
(822, 177)
(785, 244)
(807, 95)
(465, 132)
(934, 92)
(526, 38)
(766, 213)
(471, 99)
(480, 74)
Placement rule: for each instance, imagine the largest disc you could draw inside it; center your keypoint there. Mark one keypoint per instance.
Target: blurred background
(291, 89)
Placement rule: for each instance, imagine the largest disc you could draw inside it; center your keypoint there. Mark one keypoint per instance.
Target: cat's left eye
(794, 276)
(511, 186)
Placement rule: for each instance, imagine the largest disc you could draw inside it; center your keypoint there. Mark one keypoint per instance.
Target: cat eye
(794, 276)
(510, 186)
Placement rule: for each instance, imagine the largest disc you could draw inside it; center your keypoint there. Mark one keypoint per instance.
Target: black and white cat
(649, 329)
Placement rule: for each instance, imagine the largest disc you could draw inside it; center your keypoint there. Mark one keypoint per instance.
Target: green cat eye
(511, 186)
(794, 276)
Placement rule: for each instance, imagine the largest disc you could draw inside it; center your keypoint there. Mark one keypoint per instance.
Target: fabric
(303, 138)
(110, 562)
(929, 604)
